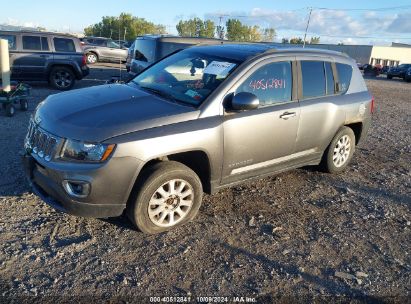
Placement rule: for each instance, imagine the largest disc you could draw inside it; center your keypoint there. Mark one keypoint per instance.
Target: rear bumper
(85, 70)
(106, 199)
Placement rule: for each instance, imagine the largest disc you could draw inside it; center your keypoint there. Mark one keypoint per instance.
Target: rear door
(33, 59)
(320, 102)
(13, 52)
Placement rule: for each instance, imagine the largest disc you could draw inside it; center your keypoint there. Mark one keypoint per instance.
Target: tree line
(128, 27)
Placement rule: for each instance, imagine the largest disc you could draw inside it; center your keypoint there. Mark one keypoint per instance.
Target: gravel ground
(297, 236)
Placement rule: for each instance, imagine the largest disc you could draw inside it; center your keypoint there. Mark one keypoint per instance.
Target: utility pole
(220, 31)
(308, 23)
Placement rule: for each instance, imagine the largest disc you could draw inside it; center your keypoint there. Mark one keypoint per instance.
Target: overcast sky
(368, 26)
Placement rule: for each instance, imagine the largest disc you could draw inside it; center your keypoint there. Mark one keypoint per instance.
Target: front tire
(169, 195)
(339, 153)
(389, 76)
(62, 78)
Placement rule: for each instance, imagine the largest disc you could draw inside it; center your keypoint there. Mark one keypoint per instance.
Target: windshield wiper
(162, 94)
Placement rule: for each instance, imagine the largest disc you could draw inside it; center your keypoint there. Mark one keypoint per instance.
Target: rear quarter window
(145, 50)
(11, 39)
(64, 45)
(344, 72)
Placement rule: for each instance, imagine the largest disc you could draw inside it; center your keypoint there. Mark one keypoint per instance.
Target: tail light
(84, 60)
(372, 108)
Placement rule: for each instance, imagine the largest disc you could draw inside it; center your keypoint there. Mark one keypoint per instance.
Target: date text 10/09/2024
(202, 299)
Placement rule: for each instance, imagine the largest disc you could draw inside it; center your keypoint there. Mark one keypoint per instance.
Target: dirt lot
(297, 236)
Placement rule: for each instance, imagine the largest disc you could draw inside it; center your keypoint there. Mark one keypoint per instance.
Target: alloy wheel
(171, 203)
(342, 151)
(62, 79)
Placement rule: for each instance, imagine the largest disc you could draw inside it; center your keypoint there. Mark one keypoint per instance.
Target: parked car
(43, 56)
(398, 71)
(199, 120)
(151, 48)
(103, 49)
(385, 69)
(370, 70)
(408, 75)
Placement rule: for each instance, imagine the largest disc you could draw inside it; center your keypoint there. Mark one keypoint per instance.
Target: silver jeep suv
(202, 119)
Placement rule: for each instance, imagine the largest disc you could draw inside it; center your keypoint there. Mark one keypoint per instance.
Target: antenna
(119, 38)
(308, 23)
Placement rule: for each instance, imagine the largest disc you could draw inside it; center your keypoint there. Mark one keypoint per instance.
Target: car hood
(98, 113)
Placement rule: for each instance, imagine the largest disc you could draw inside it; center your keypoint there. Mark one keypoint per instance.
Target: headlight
(82, 151)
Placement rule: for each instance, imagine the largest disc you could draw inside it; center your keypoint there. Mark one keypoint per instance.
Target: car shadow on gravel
(356, 188)
(121, 222)
(333, 288)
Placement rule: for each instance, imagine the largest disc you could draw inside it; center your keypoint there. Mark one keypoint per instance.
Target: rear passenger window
(271, 83)
(35, 43)
(329, 78)
(11, 39)
(64, 45)
(313, 78)
(144, 50)
(344, 76)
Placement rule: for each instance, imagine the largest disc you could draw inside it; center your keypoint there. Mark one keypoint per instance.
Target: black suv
(56, 58)
(398, 71)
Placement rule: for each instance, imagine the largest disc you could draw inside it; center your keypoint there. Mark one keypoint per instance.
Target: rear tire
(62, 78)
(339, 153)
(168, 195)
(10, 110)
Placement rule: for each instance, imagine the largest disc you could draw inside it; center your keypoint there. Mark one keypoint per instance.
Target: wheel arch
(196, 160)
(357, 128)
(56, 65)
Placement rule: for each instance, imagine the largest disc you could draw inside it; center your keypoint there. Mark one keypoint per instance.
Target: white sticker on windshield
(219, 68)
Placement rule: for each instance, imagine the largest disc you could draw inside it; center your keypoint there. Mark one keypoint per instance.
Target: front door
(257, 140)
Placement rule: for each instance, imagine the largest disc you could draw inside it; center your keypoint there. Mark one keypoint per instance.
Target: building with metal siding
(384, 55)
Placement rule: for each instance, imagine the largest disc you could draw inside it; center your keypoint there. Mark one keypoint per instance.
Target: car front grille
(41, 142)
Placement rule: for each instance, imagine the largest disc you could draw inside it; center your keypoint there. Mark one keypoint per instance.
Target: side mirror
(244, 101)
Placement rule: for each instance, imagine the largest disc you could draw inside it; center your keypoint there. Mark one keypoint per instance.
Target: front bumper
(110, 185)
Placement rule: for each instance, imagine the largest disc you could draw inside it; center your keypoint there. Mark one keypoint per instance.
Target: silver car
(103, 49)
(202, 119)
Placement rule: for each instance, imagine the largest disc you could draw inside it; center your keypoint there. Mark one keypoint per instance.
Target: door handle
(287, 115)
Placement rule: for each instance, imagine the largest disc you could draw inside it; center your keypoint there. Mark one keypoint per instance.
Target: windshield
(188, 77)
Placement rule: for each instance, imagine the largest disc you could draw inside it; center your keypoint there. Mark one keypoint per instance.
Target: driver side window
(271, 83)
